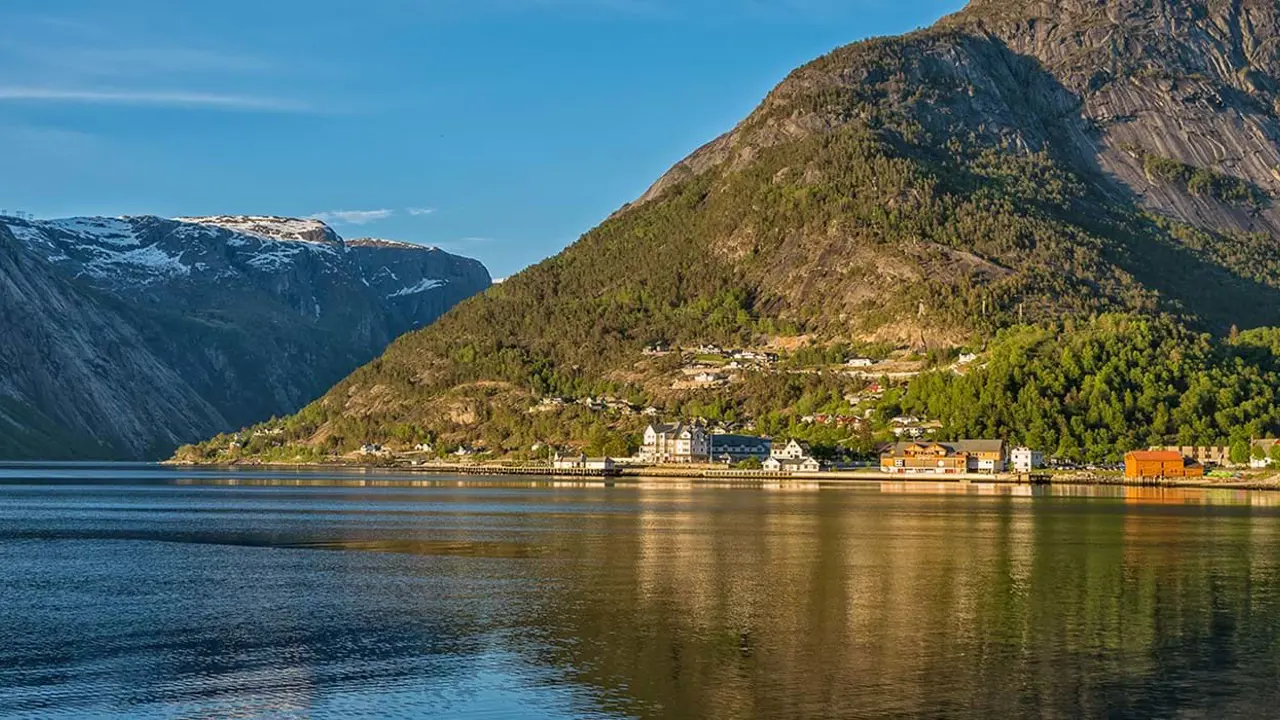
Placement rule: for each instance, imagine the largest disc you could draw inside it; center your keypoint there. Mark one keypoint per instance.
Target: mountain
(126, 337)
(1020, 162)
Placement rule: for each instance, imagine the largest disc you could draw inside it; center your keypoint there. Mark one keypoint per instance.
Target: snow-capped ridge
(397, 244)
(151, 252)
(270, 227)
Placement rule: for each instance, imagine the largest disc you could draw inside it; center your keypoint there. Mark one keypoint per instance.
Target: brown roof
(955, 446)
(1154, 456)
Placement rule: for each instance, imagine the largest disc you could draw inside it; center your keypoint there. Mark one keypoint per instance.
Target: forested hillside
(1021, 163)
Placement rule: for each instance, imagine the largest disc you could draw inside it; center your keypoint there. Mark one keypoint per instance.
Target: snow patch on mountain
(274, 257)
(421, 287)
(113, 231)
(117, 232)
(150, 258)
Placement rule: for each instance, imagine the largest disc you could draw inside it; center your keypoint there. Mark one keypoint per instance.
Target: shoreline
(835, 477)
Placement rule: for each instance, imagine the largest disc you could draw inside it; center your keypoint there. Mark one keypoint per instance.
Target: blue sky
(500, 129)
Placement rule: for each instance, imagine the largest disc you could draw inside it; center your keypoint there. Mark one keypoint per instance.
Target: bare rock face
(1195, 82)
(126, 337)
(1102, 83)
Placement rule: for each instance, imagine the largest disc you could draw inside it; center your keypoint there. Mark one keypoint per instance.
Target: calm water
(137, 592)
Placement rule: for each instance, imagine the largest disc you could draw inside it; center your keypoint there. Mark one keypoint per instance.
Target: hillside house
(678, 443)
(914, 432)
(860, 363)
(1160, 465)
(944, 458)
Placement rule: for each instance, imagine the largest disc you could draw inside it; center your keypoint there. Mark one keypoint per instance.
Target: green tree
(1240, 452)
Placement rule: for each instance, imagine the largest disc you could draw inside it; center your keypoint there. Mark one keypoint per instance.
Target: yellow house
(944, 458)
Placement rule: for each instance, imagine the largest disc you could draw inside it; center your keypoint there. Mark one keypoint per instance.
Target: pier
(502, 470)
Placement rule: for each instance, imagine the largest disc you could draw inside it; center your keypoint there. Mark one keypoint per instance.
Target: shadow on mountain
(1190, 282)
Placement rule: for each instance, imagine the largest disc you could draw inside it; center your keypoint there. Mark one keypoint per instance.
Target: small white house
(1260, 454)
(860, 363)
(1025, 460)
(372, 449)
(582, 462)
(803, 465)
(794, 450)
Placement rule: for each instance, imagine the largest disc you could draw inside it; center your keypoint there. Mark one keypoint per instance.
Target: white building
(860, 363)
(582, 462)
(1025, 460)
(677, 443)
(1263, 448)
(804, 465)
(794, 450)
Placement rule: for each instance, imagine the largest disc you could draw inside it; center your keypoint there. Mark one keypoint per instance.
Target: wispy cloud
(353, 217)
(170, 98)
(51, 60)
(97, 58)
(420, 211)
(466, 244)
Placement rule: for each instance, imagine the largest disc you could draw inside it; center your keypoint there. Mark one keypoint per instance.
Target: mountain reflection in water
(128, 594)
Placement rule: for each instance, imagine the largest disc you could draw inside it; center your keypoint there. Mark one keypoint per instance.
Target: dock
(505, 470)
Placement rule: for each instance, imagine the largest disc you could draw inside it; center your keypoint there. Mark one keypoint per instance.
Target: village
(907, 447)
(690, 449)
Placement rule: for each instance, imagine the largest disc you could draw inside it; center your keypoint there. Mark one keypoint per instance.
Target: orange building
(1160, 464)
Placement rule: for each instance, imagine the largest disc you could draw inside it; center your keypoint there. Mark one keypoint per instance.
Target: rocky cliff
(125, 337)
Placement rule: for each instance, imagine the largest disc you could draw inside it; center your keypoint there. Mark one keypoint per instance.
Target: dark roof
(739, 440)
(670, 428)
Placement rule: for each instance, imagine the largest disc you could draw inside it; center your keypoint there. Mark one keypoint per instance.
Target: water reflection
(193, 597)
(831, 604)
